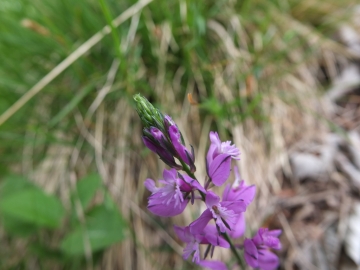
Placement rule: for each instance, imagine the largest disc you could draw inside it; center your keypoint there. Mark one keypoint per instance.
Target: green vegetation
(239, 60)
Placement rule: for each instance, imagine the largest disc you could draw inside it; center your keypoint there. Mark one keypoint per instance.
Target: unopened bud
(149, 115)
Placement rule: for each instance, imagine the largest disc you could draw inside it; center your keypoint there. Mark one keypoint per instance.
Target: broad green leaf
(16, 227)
(103, 228)
(14, 183)
(86, 188)
(33, 206)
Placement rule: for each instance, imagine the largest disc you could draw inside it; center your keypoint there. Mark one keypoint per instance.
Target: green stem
(225, 235)
(234, 250)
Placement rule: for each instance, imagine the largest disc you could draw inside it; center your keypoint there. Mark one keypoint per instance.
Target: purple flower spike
(167, 200)
(256, 249)
(224, 213)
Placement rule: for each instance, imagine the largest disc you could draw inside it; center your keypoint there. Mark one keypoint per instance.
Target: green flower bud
(149, 115)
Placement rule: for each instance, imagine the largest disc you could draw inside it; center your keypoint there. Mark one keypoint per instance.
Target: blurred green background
(72, 162)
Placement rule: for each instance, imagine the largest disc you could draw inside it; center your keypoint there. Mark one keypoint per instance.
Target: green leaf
(16, 227)
(87, 187)
(33, 206)
(13, 184)
(103, 228)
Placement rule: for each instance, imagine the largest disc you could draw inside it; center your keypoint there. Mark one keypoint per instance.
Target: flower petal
(236, 206)
(238, 229)
(167, 210)
(247, 194)
(226, 196)
(156, 133)
(242, 192)
(149, 144)
(211, 236)
(211, 199)
(214, 146)
(183, 233)
(150, 185)
(169, 175)
(267, 260)
(274, 232)
(198, 225)
(193, 183)
(270, 239)
(215, 240)
(176, 141)
(250, 253)
(219, 169)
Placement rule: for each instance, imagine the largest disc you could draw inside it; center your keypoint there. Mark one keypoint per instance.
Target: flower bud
(149, 115)
(162, 136)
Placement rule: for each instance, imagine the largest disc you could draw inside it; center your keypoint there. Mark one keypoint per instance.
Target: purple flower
(192, 243)
(239, 227)
(219, 169)
(256, 251)
(267, 238)
(168, 200)
(239, 191)
(218, 159)
(172, 198)
(217, 148)
(224, 213)
(208, 236)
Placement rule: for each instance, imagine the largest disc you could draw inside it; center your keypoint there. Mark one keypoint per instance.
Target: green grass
(201, 47)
